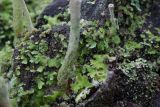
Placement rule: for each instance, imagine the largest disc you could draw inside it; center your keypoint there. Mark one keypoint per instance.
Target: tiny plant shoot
(21, 18)
(66, 71)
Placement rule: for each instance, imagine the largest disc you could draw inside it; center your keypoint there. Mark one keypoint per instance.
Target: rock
(124, 91)
(56, 7)
(126, 104)
(88, 11)
(156, 100)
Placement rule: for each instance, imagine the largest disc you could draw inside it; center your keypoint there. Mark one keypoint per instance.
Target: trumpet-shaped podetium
(67, 69)
(4, 97)
(21, 18)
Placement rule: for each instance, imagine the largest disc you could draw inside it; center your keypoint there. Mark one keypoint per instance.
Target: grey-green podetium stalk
(21, 18)
(112, 17)
(4, 97)
(67, 69)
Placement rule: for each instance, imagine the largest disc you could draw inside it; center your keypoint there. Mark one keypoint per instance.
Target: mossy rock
(37, 52)
(89, 11)
(123, 90)
(38, 58)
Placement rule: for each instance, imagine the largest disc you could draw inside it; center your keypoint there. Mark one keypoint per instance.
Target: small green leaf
(116, 39)
(131, 45)
(40, 84)
(81, 82)
(93, 45)
(40, 69)
(24, 61)
(53, 96)
(54, 62)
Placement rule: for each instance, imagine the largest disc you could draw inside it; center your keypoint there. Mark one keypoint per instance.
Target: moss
(37, 60)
